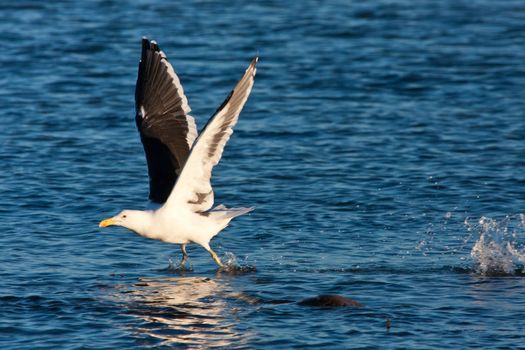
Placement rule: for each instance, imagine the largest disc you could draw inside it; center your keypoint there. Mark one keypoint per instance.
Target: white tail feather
(229, 213)
(234, 212)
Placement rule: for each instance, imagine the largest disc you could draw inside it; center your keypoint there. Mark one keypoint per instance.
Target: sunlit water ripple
(383, 148)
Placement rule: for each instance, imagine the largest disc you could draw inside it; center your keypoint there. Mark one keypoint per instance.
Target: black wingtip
(255, 59)
(145, 43)
(154, 45)
(149, 44)
(139, 92)
(253, 65)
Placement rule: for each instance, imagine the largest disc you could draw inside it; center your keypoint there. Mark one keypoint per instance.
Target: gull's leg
(184, 254)
(215, 257)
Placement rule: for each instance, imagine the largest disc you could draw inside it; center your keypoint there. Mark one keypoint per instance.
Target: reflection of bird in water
(202, 312)
(180, 164)
(192, 311)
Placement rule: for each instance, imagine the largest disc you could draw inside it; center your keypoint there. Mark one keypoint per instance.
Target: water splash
(231, 264)
(175, 266)
(498, 251)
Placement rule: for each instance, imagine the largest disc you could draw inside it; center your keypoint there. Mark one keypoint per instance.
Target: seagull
(180, 161)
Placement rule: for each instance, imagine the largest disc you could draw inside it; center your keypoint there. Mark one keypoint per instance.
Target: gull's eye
(124, 216)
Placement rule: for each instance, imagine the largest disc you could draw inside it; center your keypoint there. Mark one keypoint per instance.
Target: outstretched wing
(166, 129)
(193, 188)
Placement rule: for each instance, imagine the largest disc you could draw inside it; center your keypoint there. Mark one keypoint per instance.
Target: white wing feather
(193, 187)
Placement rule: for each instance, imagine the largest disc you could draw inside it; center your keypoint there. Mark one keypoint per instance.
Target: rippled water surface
(383, 147)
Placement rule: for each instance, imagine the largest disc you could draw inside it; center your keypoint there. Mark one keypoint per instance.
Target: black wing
(166, 129)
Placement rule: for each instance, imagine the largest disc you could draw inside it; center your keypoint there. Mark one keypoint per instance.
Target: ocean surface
(383, 147)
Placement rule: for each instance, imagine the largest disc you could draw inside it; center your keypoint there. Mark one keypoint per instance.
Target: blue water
(383, 147)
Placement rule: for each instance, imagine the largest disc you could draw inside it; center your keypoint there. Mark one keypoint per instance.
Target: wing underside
(166, 129)
(193, 187)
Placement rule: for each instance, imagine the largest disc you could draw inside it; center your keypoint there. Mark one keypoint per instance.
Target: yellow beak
(107, 222)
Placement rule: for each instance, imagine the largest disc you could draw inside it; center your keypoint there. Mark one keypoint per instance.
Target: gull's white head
(134, 220)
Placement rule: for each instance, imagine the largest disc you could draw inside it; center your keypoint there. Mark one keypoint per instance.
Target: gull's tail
(230, 213)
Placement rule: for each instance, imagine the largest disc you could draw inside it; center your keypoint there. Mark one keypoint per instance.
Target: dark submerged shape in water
(330, 300)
